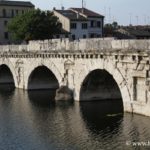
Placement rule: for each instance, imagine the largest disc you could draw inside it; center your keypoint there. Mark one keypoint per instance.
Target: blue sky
(122, 11)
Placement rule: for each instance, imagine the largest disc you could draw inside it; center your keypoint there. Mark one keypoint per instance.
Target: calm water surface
(32, 121)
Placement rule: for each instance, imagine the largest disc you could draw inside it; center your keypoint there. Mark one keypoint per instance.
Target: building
(132, 32)
(81, 22)
(9, 9)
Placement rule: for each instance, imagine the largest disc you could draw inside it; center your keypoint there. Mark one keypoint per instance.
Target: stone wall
(83, 45)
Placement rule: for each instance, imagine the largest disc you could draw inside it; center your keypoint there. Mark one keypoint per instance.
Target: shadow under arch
(6, 76)
(99, 85)
(103, 108)
(42, 78)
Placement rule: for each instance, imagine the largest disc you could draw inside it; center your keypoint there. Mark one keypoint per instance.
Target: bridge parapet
(82, 45)
(85, 45)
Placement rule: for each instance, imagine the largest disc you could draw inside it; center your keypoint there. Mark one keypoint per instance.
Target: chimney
(82, 10)
(77, 15)
(82, 6)
(62, 8)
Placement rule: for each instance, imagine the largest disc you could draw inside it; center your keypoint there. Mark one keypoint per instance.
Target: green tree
(115, 25)
(34, 25)
(109, 29)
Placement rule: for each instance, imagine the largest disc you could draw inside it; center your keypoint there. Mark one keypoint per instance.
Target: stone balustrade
(82, 45)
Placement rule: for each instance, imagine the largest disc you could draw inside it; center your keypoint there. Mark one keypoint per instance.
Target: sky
(125, 12)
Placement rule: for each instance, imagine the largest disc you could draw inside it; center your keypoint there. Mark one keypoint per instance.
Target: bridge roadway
(93, 69)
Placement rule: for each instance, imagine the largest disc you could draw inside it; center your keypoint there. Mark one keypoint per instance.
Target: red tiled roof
(87, 12)
(72, 15)
(16, 3)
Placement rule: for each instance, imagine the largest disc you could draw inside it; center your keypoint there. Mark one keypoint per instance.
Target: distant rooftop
(138, 32)
(71, 15)
(132, 32)
(87, 12)
(16, 3)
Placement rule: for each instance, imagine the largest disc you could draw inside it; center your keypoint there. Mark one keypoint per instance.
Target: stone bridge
(94, 69)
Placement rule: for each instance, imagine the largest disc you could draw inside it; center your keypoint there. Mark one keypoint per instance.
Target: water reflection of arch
(42, 98)
(102, 116)
(6, 90)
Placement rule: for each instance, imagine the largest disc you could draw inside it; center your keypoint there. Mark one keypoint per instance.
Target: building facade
(8, 10)
(81, 22)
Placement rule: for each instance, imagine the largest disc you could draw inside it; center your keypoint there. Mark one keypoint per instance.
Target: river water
(33, 121)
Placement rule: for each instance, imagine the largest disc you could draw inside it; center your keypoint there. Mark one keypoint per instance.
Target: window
(5, 23)
(4, 12)
(6, 35)
(12, 13)
(95, 24)
(73, 37)
(92, 23)
(84, 25)
(98, 24)
(66, 35)
(57, 36)
(92, 35)
(73, 25)
(16, 12)
(99, 35)
(84, 36)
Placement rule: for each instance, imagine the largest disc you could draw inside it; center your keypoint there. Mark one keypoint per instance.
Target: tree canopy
(34, 25)
(109, 28)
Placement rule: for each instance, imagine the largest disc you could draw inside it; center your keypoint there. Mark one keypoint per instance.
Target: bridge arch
(5, 75)
(9, 76)
(42, 77)
(45, 64)
(99, 84)
(107, 67)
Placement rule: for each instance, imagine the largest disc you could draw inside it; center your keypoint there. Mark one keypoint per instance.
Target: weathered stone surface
(127, 61)
(64, 93)
(84, 45)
